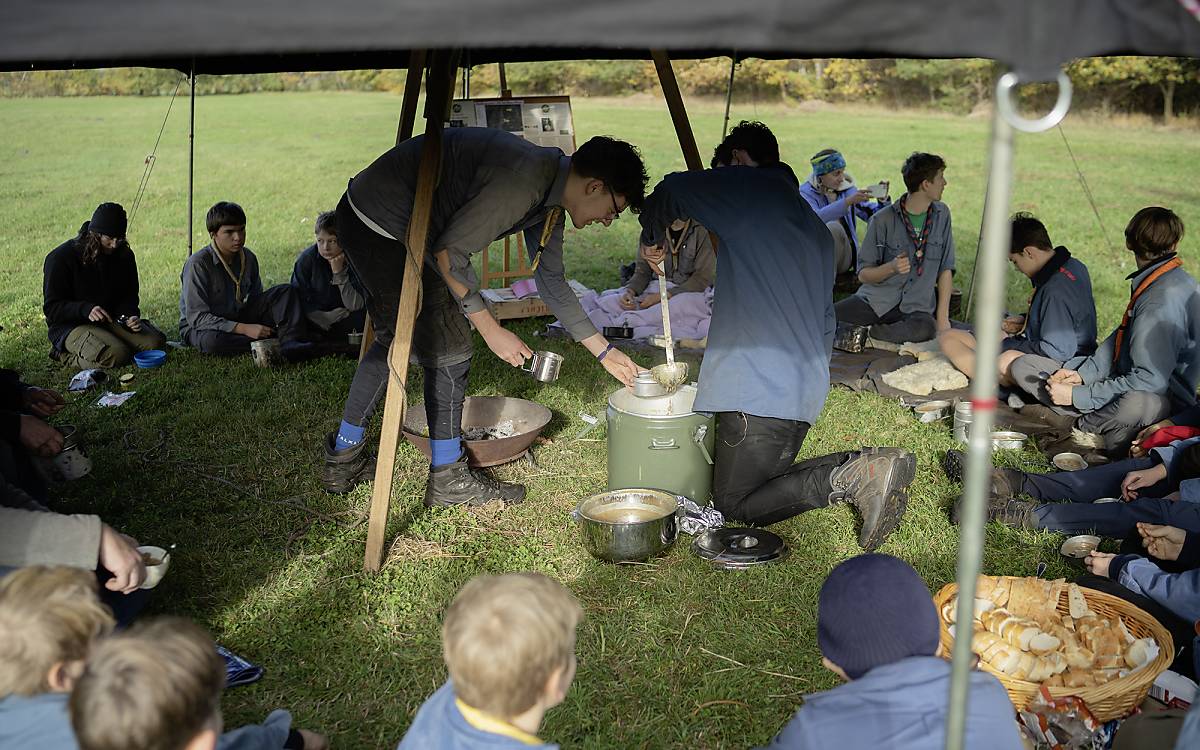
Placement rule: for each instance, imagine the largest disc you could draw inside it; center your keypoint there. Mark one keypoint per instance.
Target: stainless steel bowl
(1078, 547)
(1008, 440)
(627, 525)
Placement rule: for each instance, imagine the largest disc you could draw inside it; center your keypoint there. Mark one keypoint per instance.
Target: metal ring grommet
(1004, 103)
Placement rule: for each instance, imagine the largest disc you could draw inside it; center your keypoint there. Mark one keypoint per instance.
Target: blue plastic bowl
(149, 359)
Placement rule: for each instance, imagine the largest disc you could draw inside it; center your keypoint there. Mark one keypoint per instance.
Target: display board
(544, 120)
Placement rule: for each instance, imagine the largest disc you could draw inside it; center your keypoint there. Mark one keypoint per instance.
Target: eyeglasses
(616, 212)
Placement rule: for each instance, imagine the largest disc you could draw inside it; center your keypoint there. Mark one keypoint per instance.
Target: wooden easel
(439, 86)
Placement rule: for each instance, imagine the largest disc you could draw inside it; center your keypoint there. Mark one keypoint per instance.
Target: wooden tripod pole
(404, 130)
(439, 85)
(683, 128)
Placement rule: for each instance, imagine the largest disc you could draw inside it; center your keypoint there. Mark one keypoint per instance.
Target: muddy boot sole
(894, 508)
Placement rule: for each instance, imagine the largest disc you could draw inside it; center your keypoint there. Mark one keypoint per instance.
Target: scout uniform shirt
(1061, 323)
(887, 239)
(492, 184)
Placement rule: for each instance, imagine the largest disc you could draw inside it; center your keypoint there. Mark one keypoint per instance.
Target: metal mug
(544, 366)
(71, 462)
(266, 352)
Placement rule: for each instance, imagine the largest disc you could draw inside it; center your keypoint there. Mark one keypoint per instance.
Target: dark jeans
(755, 480)
(1118, 421)
(1090, 484)
(278, 307)
(1182, 632)
(893, 326)
(441, 336)
(1119, 519)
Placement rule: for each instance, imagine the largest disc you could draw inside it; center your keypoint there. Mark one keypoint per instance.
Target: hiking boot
(1017, 514)
(875, 482)
(850, 338)
(1004, 483)
(346, 468)
(458, 484)
(1043, 413)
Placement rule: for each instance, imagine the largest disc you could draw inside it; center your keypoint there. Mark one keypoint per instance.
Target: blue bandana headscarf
(826, 163)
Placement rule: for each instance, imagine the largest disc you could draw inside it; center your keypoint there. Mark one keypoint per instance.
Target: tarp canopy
(1034, 37)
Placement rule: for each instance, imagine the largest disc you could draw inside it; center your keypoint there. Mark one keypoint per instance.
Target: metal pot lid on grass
(734, 549)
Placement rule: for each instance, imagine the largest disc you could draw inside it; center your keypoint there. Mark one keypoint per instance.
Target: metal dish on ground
(1069, 461)
(737, 549)
(1008, 440)
(627, 525)
(1078, 547)
(932, 411)
(528, 419)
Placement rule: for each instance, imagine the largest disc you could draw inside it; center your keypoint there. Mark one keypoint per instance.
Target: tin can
(963, 416)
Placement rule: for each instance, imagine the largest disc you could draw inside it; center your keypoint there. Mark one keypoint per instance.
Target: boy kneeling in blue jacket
(509, 646)
(878, 629)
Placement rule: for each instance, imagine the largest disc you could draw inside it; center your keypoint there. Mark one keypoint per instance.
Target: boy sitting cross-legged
(509, 646)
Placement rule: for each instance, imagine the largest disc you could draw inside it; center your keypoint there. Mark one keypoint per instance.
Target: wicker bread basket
(1112, 700)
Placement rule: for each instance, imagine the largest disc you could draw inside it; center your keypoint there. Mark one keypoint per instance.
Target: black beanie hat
(874, 610)
(109, 219)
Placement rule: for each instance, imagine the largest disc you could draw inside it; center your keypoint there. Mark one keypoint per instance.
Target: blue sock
(349, 435)
(445, 451)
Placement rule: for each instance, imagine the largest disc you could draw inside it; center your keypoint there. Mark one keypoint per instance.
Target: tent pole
(191, 150)
(412, 90)
(990, 264)
(733, 61)
(966, 307)
(505, 93)
(404, 129)
(683, 128)
(440, 89)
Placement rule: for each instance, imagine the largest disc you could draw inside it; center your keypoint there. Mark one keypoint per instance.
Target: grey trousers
(893, 326)
(1118, 421)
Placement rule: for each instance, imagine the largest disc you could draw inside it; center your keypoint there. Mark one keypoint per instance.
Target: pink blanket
(690, 313)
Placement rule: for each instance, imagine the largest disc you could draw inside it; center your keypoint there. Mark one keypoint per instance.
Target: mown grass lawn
(223, 458)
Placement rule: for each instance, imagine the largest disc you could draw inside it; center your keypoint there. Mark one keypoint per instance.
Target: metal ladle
(672, 374)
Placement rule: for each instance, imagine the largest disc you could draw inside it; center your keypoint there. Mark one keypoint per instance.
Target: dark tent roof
(226, 36)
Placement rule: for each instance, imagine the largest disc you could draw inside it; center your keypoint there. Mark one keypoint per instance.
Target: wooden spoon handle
(666, 312)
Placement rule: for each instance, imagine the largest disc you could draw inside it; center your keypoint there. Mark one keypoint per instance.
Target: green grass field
(223, 458)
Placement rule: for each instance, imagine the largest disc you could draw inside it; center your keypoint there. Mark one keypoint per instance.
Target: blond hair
(154, 687)
(48, 615)
(504, 636)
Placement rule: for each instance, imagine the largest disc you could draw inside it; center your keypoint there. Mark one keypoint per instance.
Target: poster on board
(544, 120)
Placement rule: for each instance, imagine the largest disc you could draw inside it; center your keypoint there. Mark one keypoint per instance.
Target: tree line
(1160, 86)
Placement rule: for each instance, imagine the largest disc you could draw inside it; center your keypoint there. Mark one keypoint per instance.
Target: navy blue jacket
(313, 278)
(772, 322)
(1062, 315)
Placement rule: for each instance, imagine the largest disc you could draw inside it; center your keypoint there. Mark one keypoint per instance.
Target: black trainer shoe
(1005, 482)
(1006, 510)
(876, 482)
(458, 484)
(850, 338)
(346, 468)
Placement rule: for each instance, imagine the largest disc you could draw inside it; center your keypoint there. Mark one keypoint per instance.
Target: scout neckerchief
(485, 722)
(237, 280)
(547, 230)
(1170, 265)
(919, 239)
(677, 245)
